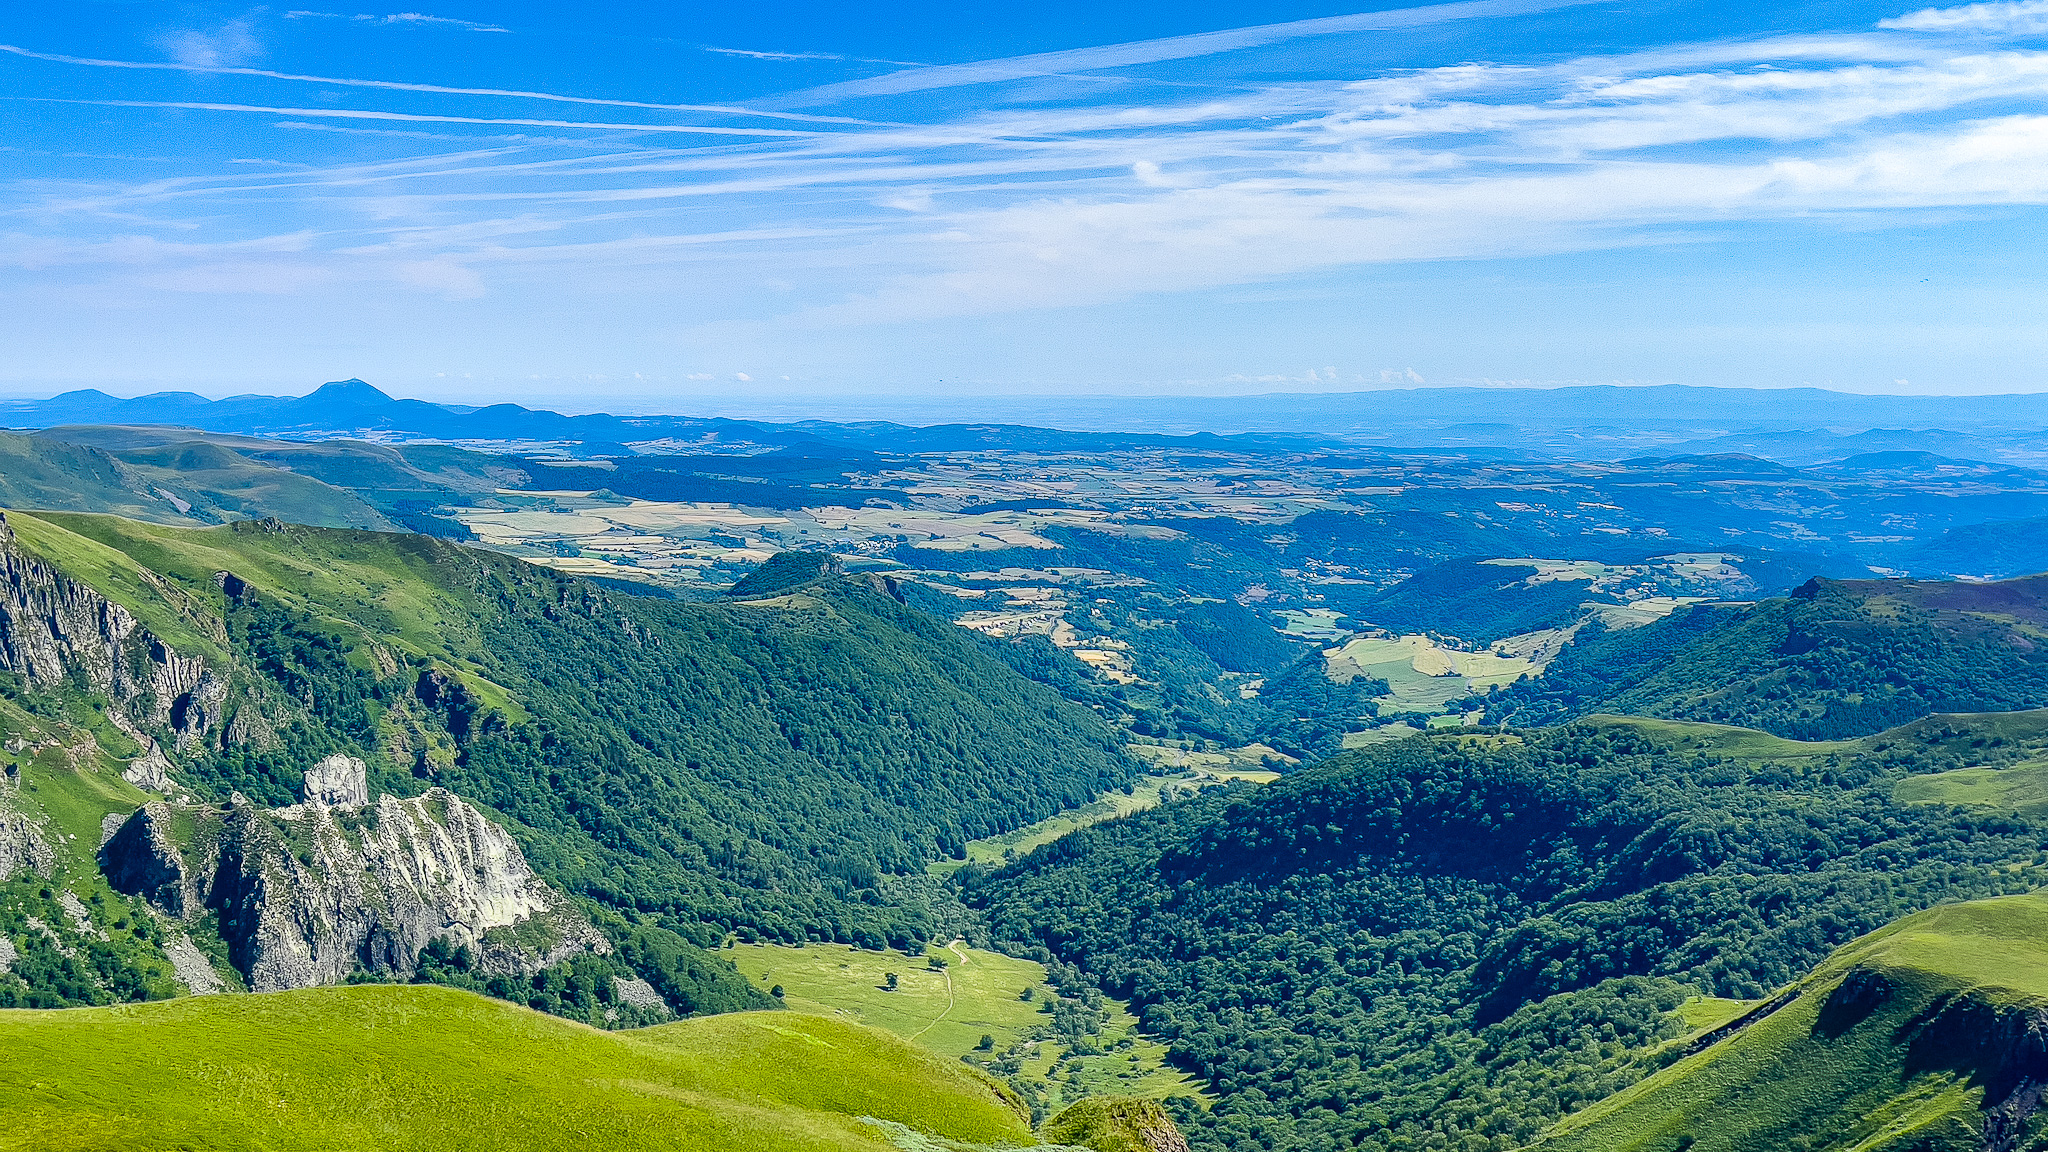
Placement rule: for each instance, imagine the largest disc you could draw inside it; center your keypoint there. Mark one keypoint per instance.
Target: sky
(682, 206)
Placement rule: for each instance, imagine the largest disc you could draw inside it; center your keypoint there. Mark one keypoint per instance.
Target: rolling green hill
(1921, 1036)
(1455, 939)
(1836, 658)
(420, 1068)
(188, 482)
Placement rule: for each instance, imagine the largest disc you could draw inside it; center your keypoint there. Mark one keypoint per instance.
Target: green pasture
(405, 1068)
(1421, 675)
(978, 993)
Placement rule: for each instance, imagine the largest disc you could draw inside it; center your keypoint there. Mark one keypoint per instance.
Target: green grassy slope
(1900, 1040)
(1051, 1055)
(419, 1068)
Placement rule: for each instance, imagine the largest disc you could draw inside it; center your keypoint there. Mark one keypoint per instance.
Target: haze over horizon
(662, 208)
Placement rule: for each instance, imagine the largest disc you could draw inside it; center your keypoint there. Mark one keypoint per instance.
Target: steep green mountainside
(192, 484)
(1924, 1036)
(410, 1068)
(779, 767)
(1834, 659)
(1454, 939)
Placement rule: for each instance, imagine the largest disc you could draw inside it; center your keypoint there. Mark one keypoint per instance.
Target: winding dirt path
(954, 948)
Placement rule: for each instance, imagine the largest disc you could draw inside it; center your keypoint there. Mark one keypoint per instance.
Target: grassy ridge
(178, 483)
(1895, 1042)
(421, 1067)
(1834, 659)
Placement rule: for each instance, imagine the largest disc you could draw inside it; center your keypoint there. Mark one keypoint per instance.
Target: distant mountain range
(1794, 426)
(352, 408)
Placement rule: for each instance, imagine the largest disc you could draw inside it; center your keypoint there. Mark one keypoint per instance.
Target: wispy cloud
(753, 54)
(225, 68)
(230, 44)
(991, 205)
(423, 118)
(2004, 16)
(750, 53)
(1076, 60)
(415, 19)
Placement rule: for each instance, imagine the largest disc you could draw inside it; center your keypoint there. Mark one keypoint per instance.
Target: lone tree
(892, 981)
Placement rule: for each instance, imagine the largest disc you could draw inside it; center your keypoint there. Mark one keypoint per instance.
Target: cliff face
(51, 624)
(307, 894)
(22, 847)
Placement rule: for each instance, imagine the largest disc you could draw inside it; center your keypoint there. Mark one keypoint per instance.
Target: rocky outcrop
(22, 847)
(338, 781)
(51, 625)
(306, 895)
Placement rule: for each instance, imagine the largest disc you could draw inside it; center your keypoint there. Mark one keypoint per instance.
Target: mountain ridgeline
(1836, 658)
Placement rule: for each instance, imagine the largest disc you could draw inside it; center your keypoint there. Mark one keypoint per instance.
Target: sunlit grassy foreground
(424, 1067)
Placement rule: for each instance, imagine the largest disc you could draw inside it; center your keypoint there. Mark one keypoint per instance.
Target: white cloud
(398, 18)
(1076, 60)
(2004, 16)
(753, 55)
(230, 44)
(987, 206)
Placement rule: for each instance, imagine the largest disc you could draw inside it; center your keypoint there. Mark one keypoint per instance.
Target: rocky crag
(53, 627)
(311, 893)
(22, 845)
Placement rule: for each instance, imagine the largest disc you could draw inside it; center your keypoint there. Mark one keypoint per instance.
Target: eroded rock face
(50, 623)
(22, 847)
(307, 894)
(338, 782)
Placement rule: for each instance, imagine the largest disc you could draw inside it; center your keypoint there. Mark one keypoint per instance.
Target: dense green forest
(1477, 600)
(1834, 659)
(1451, 940)
(1235, 637)
(776, 770)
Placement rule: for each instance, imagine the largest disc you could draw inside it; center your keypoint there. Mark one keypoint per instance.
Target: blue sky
(689, 206)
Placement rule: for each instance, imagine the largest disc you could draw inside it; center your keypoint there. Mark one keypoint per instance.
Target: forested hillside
(1836, 658)
(1452, 940)
(774, 768)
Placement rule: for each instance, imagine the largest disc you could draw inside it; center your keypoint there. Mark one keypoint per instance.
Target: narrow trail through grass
(954, 948)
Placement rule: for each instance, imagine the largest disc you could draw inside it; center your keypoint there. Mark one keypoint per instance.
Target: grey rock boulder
(338, 782)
